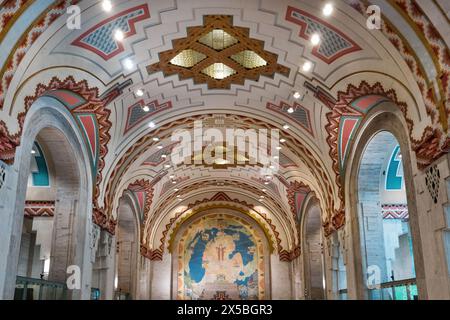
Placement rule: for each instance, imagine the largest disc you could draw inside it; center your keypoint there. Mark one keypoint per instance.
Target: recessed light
(282, 140)
(286, 127)
(266, 183)
(290, 110)
(164, 156)
(167, 166)
(107, 5)
(276, 157)
(180, 199)
(146, 108)
(178, 196)
(151, 124)
(33, 152)
(119, 35)
(139, 92)
(128, 64)
(297, 95)
(262, 197)
(261, 200)
(264, 190)
(156, 139)
(279, 148)
(159, 147)
(174, 182)
(327, 9)
(315, 39)
(176, 189)
(307, 66)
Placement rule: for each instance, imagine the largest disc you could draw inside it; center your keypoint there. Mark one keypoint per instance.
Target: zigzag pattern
(39, 209)
(13, 62)
(8, 10)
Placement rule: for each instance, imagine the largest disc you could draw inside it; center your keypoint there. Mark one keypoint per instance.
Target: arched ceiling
(223, 62)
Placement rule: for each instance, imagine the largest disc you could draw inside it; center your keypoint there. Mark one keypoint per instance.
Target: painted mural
(220, 258)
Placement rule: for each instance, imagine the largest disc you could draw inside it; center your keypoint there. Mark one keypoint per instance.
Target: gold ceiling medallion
(218, 54)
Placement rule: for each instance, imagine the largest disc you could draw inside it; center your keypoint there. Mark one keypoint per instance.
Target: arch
(49, 118)
(385, 118)
(127, 248)
(250, 257)
(312, 248)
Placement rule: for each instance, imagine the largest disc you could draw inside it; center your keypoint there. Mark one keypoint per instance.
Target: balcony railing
(395, 290)
(37, 289)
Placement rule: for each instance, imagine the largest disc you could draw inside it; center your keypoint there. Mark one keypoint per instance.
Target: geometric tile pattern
(136, 114)
(39, 209)
(38, 27)
(395, 211)
(333, 45)
(300, 115)
(226, 48)
(100, 38)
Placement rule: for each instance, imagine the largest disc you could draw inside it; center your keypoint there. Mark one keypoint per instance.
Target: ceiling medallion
(218, 54)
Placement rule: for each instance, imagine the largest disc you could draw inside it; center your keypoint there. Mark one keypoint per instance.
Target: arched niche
(220, 254)
(127, 250)
(383, 130)
(48, 122)
(312, 249)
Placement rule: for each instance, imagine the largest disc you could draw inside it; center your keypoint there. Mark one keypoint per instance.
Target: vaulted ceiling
(162, 65)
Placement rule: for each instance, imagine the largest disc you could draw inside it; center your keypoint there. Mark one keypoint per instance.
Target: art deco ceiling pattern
(242, 64)
(218, 54)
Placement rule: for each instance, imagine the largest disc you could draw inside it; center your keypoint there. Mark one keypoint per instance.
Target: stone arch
(312, 249)
(388, 119)
(49, 119)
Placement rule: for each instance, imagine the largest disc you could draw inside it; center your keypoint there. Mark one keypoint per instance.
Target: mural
(220, 258)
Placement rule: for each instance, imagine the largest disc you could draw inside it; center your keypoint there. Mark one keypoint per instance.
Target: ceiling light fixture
(290, 110)
(151, 123)
(307, 67)
(159, 147)
(286, 127)
(128, 64)
(297, 95)
(156, 139)
(282, 140)
(167, 166)
(107, 5)
(146, 108)
(33, 152)
(264, 190)
(139, 92)
(119, 35)
(315, 39)
(327, 9)
(164, 156)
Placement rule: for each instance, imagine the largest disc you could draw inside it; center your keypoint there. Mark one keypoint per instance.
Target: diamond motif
(249, 59)
(218, 40)
(187, 58)
(218, 71)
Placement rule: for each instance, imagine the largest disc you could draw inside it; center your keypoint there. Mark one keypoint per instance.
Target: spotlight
(279, 148)
(139, 92)
(264, 190)
(307, 66)
(151, 123)
(107, 5)
(128, 64)
(282, 140)
(33, 152)
(167, 166)
(159, 147)
(297, 95)
(315, 39)
(286, 127)
(327, 9)
(119, 35)
(290, 110)
(164, 156)
(156, 139)
(146, 108)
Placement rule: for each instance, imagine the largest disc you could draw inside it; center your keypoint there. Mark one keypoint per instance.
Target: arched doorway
(384, 228)
(313, 252)
(127, 244)
(53, 259)
(221, 255)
